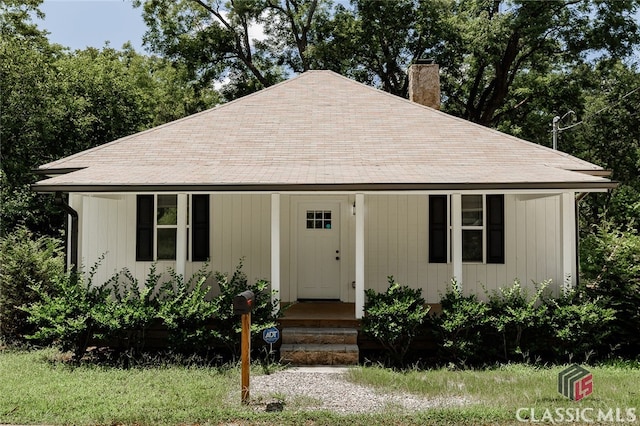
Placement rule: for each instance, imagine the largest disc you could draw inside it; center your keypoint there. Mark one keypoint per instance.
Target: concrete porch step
(319, 354)
(328, 336)
(319, 346)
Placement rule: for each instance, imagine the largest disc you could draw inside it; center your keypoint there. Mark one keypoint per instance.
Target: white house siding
(240, 228)
(396, 241)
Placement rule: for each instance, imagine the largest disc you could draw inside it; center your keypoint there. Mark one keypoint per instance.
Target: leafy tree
(55, 103)
(214, 41)
(611, 270)
(25, 261)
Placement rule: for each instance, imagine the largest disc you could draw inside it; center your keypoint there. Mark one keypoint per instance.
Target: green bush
(25, 261)
(131, 309)
(120, 311)
(264, 314)
(579, 326)
(187, 312)
(73, 315)
(517, 318)
(610, 266)
(394, 318)
(515, 326)
(461, 327)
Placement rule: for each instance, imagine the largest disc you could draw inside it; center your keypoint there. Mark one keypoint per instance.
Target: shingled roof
(319, 131)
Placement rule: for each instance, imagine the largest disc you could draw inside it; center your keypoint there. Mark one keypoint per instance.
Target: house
(326, 187)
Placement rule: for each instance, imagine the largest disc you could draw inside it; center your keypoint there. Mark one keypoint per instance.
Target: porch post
(359, 256)
(275, 246)
(456, 237)
(181, 235)
(568, 240)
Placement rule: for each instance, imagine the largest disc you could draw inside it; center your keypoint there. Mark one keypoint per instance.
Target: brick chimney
(424, 83)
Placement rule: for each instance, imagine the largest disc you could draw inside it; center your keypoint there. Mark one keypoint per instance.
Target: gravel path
(326, 388)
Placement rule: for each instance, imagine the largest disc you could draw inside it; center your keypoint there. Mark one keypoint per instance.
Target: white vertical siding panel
(217, 228)
(247, 248)
(371, 241)
(403, 242)
(511, 240)
(552, 236)
(411, 249)
(263, 243)
(521, 239)
(383, 243)
(393, 240)
(530, 235)
(540, 239)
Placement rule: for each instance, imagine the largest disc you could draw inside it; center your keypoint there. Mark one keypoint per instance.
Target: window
(157, 227)
(482, 228)
(318, 219)
(472, 228)
(166, 227)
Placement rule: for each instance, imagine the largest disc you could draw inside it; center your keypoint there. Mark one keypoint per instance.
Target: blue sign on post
(271, 335)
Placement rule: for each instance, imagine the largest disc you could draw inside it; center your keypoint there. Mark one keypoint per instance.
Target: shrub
(610, 264)
(187, 312)
(462, 326)
(79, 313)
(74, 315)
(517, 318)
(25, 261)
(264, 313)
(131, 309)
(394, 318)
(579, 326)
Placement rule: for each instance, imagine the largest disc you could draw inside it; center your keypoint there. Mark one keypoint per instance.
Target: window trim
(142, 225)
(489, 202)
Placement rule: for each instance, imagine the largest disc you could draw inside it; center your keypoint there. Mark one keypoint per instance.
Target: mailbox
(243, 303)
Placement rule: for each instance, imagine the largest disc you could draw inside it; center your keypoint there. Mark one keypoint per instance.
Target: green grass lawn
(36, 390)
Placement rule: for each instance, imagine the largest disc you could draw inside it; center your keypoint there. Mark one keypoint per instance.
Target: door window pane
(318, 219)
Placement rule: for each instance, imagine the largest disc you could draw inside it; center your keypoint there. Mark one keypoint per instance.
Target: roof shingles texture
(318, 128)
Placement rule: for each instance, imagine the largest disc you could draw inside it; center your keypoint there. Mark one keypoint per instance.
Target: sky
(78, 24)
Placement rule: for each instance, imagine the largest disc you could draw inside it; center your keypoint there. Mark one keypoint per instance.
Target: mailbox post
(242, 305)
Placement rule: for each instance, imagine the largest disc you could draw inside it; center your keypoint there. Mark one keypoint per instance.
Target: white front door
(319, 250)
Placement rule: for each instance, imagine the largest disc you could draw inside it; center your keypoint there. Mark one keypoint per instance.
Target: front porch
(319, 333)
(319, 314)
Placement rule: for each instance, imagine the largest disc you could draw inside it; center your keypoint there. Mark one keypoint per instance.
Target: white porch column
(275, 246)
(181, 235)
(359, 256)
(456, 237)
(568, 240)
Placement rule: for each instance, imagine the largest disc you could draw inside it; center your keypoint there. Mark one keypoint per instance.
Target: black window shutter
(437, 229)
(144, 227)
(200, 227)
(495, 228)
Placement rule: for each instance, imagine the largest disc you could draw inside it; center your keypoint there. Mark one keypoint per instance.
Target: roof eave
(329, 187)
